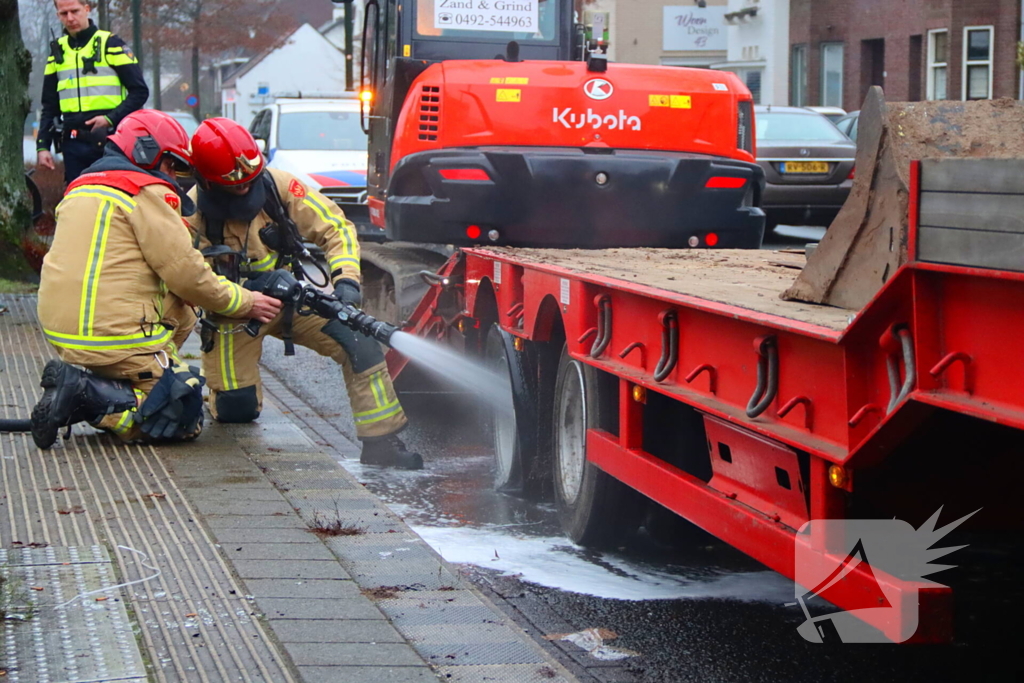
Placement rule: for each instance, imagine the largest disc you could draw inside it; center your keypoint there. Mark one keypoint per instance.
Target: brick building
(914, 49)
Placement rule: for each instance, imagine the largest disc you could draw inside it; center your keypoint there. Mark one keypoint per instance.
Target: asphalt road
(699, 611)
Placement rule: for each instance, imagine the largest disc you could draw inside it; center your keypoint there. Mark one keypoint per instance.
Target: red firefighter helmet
(225, 153)
(147, 135)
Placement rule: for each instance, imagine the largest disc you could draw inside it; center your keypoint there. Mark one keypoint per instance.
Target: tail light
(745, 126)
(850, 177)
(725, 182)
(464, 174)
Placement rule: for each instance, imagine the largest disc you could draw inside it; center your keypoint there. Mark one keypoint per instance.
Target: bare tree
(14, 105)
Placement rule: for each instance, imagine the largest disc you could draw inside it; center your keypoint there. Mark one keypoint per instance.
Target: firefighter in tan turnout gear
(245, 215)
(113, 293)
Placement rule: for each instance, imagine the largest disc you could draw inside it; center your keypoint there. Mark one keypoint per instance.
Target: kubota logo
(598, 89)
(570, 119)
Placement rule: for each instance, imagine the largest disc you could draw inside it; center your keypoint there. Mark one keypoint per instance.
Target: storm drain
(66, 620)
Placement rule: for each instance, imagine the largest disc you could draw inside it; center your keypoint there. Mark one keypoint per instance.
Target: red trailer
(684, 377)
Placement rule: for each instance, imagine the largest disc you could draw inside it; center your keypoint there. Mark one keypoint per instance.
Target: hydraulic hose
(15, 425)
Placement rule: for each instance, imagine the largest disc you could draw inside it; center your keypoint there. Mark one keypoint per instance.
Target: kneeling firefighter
(114, 287)
(251, 220)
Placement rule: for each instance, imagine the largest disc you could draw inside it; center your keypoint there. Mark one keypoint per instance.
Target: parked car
(807, 162)
(833, 114)
(848, 124)
(186, 119)
(322, 142)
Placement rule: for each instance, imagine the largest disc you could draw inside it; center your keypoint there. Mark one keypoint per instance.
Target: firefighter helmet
(147, 135)
(226, 153)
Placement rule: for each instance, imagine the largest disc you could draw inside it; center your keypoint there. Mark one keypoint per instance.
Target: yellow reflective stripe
(76, 105)
(337, 261)
(107, 343)
(91, 282)
(372, 416)
(331, 219)
(103, 192)
(227, 358)
(89, 82)
(378, 397)
(236, 296)
(119, 58)
(265, 263)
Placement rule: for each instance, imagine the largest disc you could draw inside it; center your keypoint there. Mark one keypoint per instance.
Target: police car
(321, 141)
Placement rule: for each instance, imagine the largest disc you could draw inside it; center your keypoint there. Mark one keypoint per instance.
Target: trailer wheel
(594, 508)
(514, 430)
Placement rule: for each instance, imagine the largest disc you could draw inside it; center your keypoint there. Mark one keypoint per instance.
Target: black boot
(389, 451)
(72, 395)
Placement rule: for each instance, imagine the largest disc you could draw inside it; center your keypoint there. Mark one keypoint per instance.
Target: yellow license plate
(805, 167)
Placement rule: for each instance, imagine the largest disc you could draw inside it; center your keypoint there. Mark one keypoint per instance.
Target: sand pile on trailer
(867, 242)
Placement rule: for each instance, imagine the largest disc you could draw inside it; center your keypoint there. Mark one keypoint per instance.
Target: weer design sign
(694, 28)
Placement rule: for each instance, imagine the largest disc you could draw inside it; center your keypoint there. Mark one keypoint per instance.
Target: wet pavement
(701, 612)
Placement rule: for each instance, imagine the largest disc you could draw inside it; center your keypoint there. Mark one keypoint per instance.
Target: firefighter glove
(174, 407)
(347, 291)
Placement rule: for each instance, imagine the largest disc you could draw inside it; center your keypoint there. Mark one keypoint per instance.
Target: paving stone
(335, 631)
(227, 506)
(278, 551)
(319, 608)
(353, 654)
(255, 522)
(276, 535)
(236, 493)
(500, 673)
(291, 588)
(300, 569)
(368, 674)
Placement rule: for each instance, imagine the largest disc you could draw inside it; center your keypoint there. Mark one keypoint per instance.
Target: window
(779, 126)
(977, 74)
(938, 59)
(751, 78)
(798, 74)
(832, 74)
(321, 130)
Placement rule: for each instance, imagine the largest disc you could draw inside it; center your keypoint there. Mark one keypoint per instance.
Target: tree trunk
(195, 81)
(14, 105)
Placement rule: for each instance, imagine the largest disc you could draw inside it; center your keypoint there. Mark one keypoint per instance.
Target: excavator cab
(401, 38)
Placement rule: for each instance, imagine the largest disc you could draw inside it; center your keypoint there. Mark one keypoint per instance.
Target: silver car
(807, 162)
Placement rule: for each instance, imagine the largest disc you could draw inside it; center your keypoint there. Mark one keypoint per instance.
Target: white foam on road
(554, 562)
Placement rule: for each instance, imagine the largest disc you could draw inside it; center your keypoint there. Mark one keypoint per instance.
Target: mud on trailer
(681, 377)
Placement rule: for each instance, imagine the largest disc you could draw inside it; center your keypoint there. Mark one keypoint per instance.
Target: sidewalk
(234, 583)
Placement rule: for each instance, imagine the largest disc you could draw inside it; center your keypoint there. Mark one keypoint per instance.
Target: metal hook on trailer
(712, 376)
(902, 341)
(604, 325)
(767, 376)
(669, 345)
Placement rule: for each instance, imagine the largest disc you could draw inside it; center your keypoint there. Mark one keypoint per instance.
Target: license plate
(804, 167)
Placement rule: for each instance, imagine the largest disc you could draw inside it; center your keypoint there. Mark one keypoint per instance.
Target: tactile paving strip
(194, 622)
(68, 636)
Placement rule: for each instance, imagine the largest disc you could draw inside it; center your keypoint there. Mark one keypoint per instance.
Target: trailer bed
(747, 278)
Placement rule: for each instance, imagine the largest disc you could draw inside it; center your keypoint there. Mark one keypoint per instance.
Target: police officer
(236, 200)
(92, 81)
(113, 288)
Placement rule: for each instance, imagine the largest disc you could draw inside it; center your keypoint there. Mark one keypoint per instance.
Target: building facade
(757, 33)
(914, 49)
(668, 32)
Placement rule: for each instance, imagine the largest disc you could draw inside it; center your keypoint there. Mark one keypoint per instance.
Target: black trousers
(80, 152)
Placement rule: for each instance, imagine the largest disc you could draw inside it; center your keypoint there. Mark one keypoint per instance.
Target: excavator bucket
(867, 241)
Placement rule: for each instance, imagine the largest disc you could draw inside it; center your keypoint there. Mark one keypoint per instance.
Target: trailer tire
(594, 509)
(514, 431)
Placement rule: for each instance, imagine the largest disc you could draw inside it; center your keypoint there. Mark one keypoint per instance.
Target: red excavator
(503, 123)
